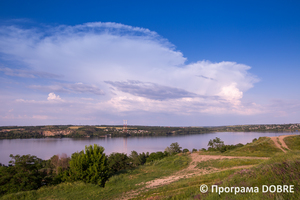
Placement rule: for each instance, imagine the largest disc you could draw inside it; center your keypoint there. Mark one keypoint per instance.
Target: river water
(45, 148)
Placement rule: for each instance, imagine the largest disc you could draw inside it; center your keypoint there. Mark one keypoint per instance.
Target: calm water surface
(45, 148)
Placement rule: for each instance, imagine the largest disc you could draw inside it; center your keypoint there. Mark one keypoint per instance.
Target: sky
(155, 63)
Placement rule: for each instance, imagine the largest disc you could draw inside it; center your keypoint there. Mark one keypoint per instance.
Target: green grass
(185, 188)
(263, 147)
(279, 142)
(293, 142)
(114, 188)
(228, 163)
(279, 170)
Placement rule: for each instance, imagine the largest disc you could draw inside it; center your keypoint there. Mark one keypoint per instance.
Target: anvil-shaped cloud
(122, 66)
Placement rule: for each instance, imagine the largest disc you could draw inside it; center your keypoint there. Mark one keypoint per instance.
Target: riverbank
(70, 131)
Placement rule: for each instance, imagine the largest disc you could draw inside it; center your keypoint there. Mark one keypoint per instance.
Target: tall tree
(89, 166)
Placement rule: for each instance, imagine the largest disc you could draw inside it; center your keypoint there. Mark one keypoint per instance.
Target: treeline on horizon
(12, 132)
(29, 172)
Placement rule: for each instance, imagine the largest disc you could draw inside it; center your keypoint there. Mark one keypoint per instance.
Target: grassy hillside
(293, 142)
(228, 163)
(114, 188)
(279, 170)
(263, 147)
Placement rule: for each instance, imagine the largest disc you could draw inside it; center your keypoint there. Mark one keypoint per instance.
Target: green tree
(59, 163)
(143, 157)
(89, 166)
(216, 143)
(168, 151)
(135, 159)
(175, 147)
(24, 173)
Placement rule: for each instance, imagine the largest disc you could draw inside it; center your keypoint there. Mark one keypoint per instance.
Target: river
(45, 148)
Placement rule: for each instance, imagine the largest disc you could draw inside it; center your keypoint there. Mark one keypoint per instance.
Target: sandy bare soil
(274, 139)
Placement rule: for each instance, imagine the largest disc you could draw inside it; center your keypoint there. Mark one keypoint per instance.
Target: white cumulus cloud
(52, 96)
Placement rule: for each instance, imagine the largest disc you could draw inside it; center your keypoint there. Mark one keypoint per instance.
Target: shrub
(155, 156)
(194, 150)
(185, 150)
(117, 162)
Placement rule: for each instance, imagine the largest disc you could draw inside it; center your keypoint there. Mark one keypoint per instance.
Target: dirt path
(281, 146)
(188, 172)
(191, 170)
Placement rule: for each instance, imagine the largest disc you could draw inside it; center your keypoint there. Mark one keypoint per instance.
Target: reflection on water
(45, 148)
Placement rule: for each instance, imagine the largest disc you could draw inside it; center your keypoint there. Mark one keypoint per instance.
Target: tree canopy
(89, 166)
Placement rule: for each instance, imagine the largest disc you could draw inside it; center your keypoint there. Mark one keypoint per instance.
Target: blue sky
(178, 63)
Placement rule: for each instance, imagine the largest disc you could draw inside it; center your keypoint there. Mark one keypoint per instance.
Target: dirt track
(190, 171)
(283, 146)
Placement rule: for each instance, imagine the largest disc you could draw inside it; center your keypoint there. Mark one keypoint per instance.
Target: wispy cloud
(69, 88)
(150, 90)
(201, 76)
(27, 73)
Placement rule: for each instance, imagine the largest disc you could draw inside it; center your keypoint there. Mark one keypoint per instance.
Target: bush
(89, 166)
(185, 150)
(155, 156)
(239, 145)
(218, 145)
(211, 149)
(117, 162)
(194, 150)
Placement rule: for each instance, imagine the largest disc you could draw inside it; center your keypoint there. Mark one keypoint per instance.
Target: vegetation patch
(185, 188)
(263, 147)
(293, 142)
(279, 170)
(227, 163)
(115, 187)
